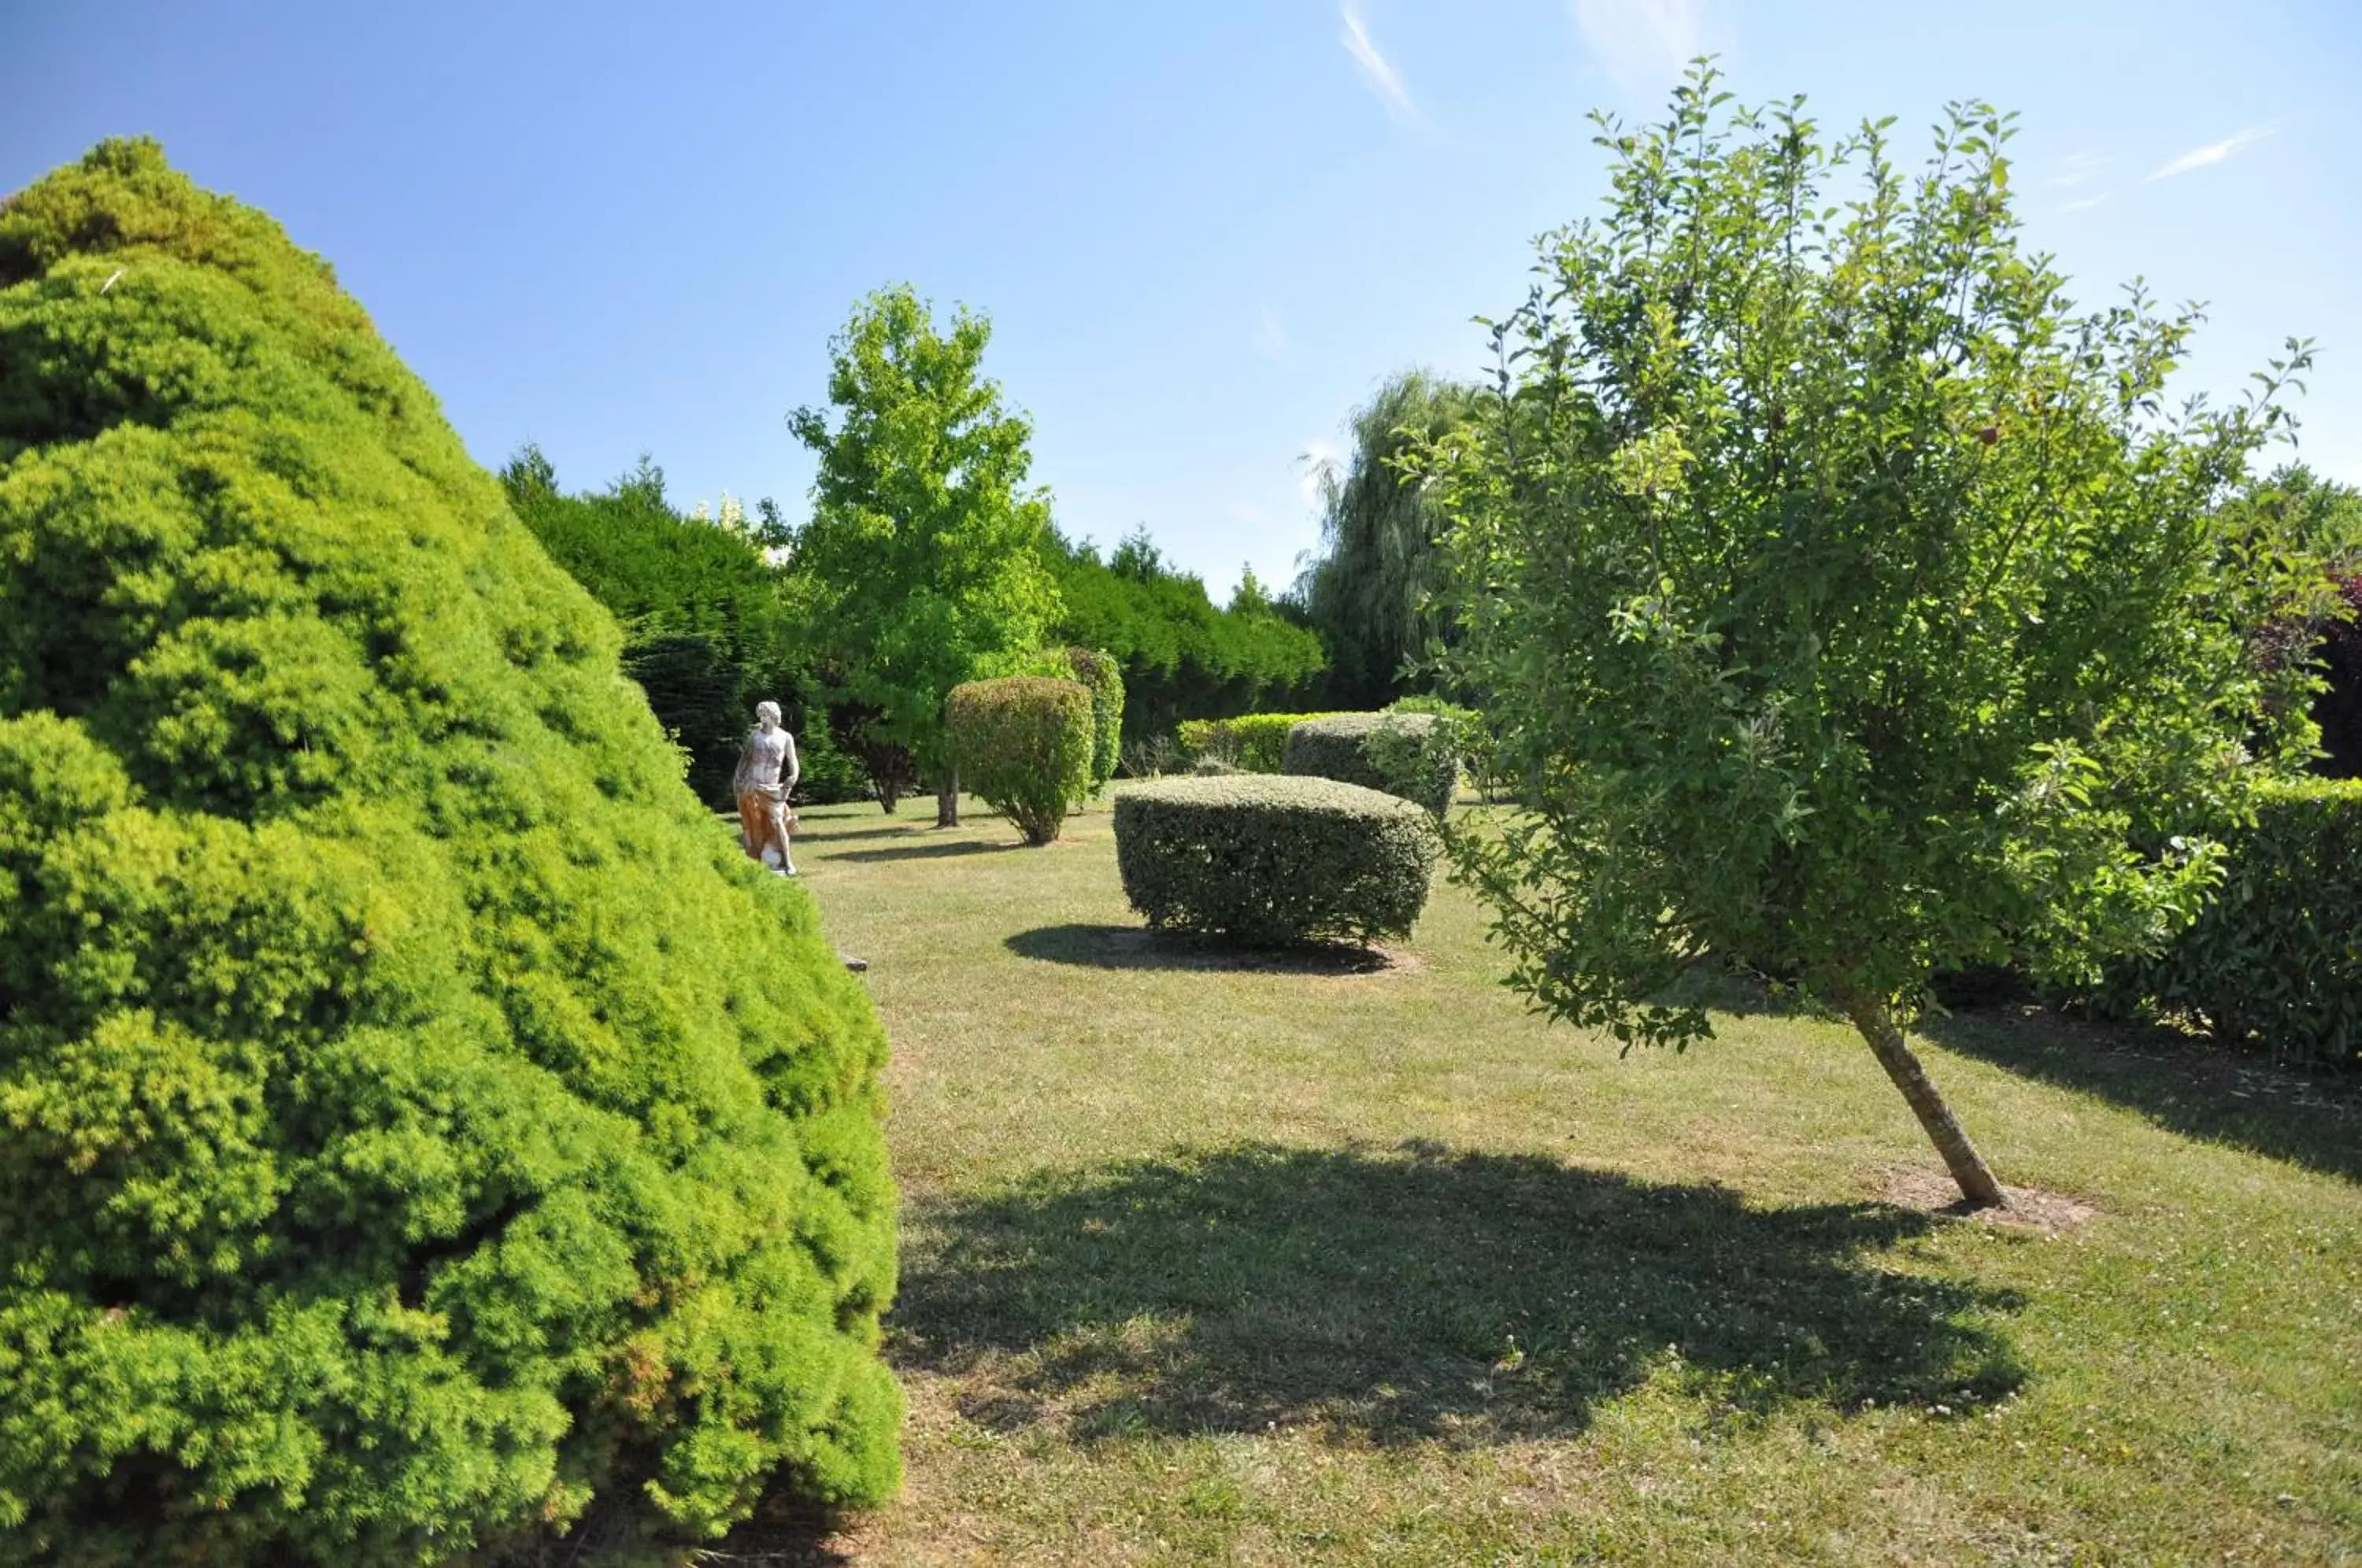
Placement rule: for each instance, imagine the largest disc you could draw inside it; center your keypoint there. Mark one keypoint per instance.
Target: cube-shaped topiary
(1267, 861)
(1022, 744)
(418, 1124)
(1410, 754)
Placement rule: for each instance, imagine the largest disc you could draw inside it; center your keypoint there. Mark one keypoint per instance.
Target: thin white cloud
(1377, 68)
(2077, 168)
(2215, 151)
(1269, 338)
(2084, 204)
(1644, 45)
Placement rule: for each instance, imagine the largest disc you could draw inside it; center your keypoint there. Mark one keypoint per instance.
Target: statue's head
(766, 713)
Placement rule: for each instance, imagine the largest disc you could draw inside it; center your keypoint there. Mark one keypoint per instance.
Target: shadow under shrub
(1418, 1292)
(418, 1125)
(1271, 861)
(1022, 744)
(1414, 755)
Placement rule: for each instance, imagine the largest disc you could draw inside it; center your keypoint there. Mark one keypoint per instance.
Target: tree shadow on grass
(1419, 1294)
(2188, 1084)
(937, 849)
(820, 830)
(1136, 947)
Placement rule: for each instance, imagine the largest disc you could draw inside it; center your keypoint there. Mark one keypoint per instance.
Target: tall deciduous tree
(1853, 603)
(1369, 592)
(923, 553)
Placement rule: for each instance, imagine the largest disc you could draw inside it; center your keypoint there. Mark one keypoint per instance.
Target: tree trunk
(948, 800)
(1876, 1021)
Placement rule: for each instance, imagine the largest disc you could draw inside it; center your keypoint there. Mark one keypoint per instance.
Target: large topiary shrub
(1022, 744)
(1270, 861)
(1414, 755)
(421, 1125)
(2275, 961)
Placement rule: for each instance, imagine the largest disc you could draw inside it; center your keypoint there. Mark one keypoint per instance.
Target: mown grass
(1209, 1262)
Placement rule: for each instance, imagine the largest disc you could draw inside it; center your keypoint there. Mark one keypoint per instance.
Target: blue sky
(1204, 233)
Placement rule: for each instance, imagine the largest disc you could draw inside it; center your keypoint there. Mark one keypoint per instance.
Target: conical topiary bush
(417, 1119)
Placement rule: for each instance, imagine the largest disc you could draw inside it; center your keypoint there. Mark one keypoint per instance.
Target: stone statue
(767, 774)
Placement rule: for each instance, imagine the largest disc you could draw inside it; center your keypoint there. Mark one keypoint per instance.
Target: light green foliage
(1370, 591)
(923, 557)
(1415, 756)
(421, 1124)
(2276, 961)
(1102, 676)
(1265, 862)
(1847, 602)
(1023, 745)
(1252, 743)
(1464, 727)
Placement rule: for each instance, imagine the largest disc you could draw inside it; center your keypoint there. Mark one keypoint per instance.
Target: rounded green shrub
(1023, 745)
(419, 1126)
(1269, 861)
(1410, 754)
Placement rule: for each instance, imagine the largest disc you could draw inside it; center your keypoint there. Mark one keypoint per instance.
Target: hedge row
(2276, 961)
(1267, 861)
(1252, 743)
(1023, 745)
(1414, 755)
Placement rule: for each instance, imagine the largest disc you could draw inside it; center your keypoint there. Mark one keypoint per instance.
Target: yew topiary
(1410, 754)
(1023, 743)
(1271, 862)
(419, 1126)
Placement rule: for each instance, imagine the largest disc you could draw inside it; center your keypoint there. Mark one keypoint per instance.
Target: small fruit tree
(922, 566)
(1851, 605)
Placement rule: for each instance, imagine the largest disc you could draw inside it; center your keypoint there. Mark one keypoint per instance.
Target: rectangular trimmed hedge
(1251, 743)
(1269, 862)
(2276, 961)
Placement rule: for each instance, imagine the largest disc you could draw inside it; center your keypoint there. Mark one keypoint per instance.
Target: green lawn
(1271, 1265)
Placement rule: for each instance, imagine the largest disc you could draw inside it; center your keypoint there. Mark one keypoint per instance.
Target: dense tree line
(708, 631)
(1183, 656)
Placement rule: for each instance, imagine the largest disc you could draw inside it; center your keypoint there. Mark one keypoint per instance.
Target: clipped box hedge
(1267, 861)
(1023, 745)
(1251, 743)
(2275, 963)
(1410, 754)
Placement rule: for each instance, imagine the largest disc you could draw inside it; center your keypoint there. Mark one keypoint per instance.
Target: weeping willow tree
(1366, 593)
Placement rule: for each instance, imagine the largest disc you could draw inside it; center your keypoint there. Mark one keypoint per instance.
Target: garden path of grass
(1208, 1264)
